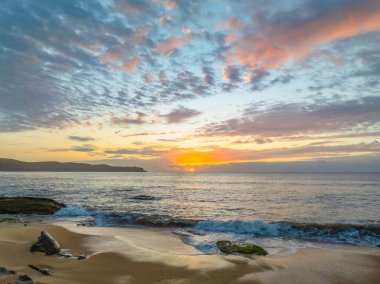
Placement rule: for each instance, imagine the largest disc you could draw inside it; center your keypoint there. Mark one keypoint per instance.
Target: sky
(204, 86)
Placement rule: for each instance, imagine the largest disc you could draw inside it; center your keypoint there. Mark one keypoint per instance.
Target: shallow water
(242, 206)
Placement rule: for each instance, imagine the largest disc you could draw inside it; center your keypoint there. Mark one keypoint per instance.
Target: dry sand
(136, 255)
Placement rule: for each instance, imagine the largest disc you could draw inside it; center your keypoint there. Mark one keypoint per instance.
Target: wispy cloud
(180, 114)
(81, 138)
(299, 118)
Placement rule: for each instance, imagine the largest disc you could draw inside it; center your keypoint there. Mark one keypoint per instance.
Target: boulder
(25, 278)
(29, 205)
(47, 244)
(245, 248)
(4, 271)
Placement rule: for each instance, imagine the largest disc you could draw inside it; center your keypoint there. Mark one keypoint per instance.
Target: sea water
(271, 209)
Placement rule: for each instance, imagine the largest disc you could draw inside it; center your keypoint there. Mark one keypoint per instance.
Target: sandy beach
(145, 255)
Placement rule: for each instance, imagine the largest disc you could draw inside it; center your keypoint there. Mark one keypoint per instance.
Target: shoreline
(155, 255)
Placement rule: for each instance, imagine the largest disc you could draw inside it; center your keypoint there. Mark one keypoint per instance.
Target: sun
(191, 170)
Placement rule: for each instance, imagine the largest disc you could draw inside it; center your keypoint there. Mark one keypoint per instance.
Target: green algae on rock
(245, 248)
(29, 205)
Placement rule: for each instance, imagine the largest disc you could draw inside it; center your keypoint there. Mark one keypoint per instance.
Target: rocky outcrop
(29, 205)
(46, 244)
(245, 248)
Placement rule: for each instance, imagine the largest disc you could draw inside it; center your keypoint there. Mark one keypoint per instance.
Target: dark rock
(42, 270)
(3, 271)
(65, 254)
(29, 205)
(82, 256)
(246, 248)
(9, 220)
(46, 243)
(25, 277)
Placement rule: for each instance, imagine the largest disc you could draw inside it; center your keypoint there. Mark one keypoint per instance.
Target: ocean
(276, 210)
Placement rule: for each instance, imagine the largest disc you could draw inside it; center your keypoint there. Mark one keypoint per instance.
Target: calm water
(243, 206)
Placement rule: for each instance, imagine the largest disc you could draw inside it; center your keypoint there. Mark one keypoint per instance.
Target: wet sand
(144, 255)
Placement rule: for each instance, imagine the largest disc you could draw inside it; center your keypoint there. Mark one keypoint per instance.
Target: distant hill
(10, 165)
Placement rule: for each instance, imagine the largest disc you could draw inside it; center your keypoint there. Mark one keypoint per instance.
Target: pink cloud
(130, 65)
(274, 45)
(168, 47)
(130, 7)
(170, 4)
(231, 23)
(118, 60)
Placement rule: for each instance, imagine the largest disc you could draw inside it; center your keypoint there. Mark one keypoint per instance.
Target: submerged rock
(29, 205)
(46, 243)
(246, 248)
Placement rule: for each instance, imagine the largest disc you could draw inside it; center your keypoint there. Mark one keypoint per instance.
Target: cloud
(231, 23)
(232, 74)
(169, 46)
(138, 119)
(118, 60)
(180, 114)
(84, 148)
(298, 118)
(274, 42)
(222, 155)
(144, 152)
(72, 63)
(81, 138)
(132, 6)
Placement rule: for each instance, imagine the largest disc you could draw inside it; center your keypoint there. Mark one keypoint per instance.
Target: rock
(43, 270)
(65, 254)
(9, 220)
(29, 205)
(4, 271)
(24, 278)
(82, 256)
(46, 243)
(246, 248)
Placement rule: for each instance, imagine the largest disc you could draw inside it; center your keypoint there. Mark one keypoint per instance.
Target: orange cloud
(168, 47)
(274, 45)
(194, 158)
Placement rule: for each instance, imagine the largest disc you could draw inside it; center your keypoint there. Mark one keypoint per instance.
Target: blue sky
(179, 85)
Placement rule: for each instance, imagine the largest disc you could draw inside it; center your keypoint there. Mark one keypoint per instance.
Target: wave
(71, 211)
(337, 233)
(122, 218)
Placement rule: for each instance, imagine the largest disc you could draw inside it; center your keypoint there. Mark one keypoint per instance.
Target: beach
(155, 255)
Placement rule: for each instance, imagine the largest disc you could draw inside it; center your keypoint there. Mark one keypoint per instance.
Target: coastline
(153, 255)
